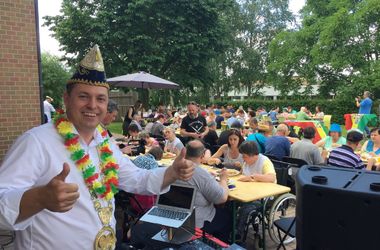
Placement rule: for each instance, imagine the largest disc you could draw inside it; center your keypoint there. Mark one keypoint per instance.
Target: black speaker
(337, 208)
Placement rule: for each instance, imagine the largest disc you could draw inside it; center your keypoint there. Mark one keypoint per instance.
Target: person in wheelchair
(256, 167)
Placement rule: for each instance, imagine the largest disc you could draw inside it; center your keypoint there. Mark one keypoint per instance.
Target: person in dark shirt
(278, 145)
(345, 156)
(193, 125)
(219, 118)
(211, 139)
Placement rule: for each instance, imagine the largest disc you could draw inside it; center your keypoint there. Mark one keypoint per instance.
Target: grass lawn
(116, 127)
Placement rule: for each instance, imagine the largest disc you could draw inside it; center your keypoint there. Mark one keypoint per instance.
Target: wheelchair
(276, 207)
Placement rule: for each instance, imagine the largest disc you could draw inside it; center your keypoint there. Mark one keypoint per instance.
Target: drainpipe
(41, 88)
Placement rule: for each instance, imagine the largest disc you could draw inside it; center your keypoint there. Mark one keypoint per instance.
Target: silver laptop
(172, 208)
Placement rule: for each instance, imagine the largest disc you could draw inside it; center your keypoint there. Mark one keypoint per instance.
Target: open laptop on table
(173, 208)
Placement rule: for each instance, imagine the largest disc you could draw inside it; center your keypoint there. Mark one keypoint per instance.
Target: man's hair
(194, 149)
(249, 148)
(282, 128)
(144, 135)
(354, 136)
(160, 116)
(157, 152)
(237, 125)
(112, 106)
(133, 128)
(253, 120)
(309, 132)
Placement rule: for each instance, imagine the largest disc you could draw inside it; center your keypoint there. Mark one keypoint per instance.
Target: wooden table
(248, 192)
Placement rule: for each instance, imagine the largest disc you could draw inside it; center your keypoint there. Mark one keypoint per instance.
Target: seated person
(214, 220)
(229, 151)
(372, 146)
(334, 139)
(149, 141)
(132, 145)
(256, 167)
(345, 156)
(172, 144)
(302, 115)
(319, 114)
(157, 129)
(211, 139)
(306, 150)
(278, 145)
(223, 137)
(147, 161)
(263, 131)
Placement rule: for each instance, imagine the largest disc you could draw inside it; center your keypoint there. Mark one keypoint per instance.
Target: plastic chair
(327, 121)
(295, 161)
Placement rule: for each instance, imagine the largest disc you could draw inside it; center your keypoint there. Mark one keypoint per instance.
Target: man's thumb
(182, 154)
(64, 173)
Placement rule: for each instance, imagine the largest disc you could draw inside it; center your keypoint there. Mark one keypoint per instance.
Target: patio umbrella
(141, 80)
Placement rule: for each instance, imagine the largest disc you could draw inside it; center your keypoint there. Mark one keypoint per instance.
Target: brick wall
(19, 89)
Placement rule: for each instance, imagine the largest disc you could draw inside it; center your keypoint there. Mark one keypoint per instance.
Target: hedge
(336, 107)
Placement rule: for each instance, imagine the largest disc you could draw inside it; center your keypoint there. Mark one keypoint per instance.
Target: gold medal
(105, 239)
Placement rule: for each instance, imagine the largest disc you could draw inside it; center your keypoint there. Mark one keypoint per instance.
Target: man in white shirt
(57, 181)
(48, 108)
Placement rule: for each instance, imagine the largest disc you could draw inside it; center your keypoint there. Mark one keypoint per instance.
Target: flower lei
(108, 186)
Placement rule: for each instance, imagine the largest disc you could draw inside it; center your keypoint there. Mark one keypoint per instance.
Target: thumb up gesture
(60, 196)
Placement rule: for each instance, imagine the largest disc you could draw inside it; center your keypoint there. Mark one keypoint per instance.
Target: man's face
(110, 117)
(192, 110)
(250, 159)
(86, 106)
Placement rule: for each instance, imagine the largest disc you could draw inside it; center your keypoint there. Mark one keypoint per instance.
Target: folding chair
(131, 217)
(288, 227)
(272, 157)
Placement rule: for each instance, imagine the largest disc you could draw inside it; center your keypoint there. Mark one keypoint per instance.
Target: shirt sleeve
(136, 180)
(211, 189)
(268, 167)
(18, 173)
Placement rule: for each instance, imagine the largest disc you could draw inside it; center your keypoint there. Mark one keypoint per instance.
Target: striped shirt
(345, 157)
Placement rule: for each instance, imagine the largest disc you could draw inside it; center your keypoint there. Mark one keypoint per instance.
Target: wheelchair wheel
(283, 206)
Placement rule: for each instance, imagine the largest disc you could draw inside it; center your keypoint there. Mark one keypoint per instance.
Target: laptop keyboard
(168, 213)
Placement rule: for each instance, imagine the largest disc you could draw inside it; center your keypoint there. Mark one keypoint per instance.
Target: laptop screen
(178, 196)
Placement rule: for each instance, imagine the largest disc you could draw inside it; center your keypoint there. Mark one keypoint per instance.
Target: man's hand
(181, 169)
(223, 175)
(60, 196)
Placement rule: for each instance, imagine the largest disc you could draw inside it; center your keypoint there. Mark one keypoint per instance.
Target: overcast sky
(52, 7)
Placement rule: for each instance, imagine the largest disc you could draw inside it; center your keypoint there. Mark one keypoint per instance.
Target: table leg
(233, 221)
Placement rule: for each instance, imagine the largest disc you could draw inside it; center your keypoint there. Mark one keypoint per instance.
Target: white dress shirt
(35, 158)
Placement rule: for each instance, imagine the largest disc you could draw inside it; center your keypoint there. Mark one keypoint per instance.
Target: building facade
(19, 79)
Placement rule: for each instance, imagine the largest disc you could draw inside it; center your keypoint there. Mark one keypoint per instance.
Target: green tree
(172, 39)
(261, 21)
(54, 77)
(337, 47)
